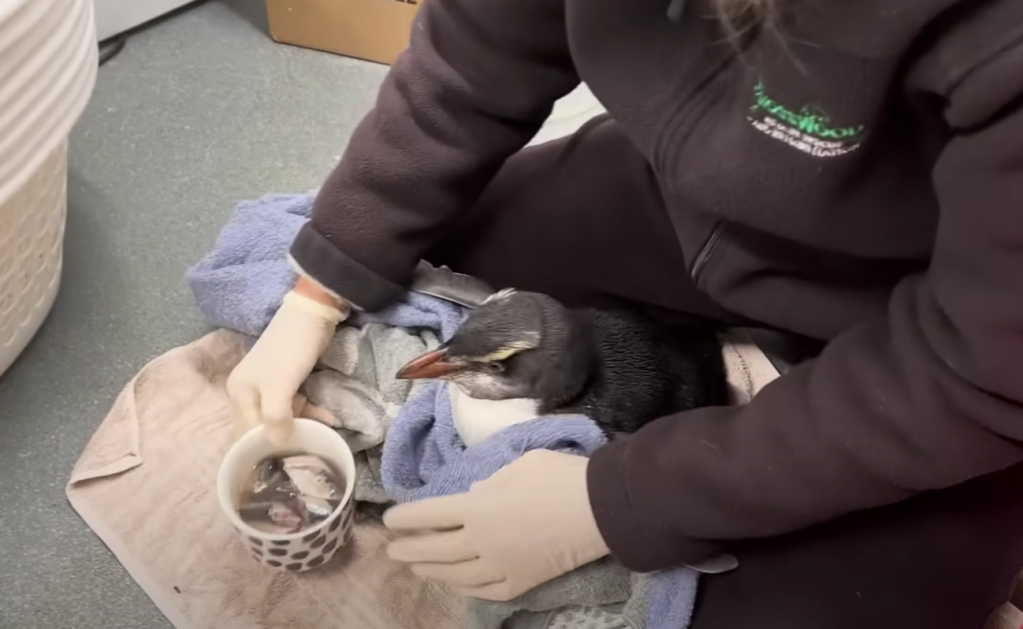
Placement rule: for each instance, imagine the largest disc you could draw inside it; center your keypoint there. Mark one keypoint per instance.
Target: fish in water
(290, 494)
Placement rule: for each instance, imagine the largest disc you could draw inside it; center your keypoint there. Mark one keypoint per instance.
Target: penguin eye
(494, 367)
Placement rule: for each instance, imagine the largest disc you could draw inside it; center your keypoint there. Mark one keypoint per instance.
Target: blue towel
(241, 283)
(424, 458)
(418, 311)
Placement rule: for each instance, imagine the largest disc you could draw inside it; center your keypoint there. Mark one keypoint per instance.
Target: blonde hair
(741, 17)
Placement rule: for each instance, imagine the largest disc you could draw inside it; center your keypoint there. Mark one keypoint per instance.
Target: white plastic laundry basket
(47, 72)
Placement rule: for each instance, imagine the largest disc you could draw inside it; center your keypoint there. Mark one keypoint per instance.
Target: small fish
(311, 476)
(277, 518)
(287, 495)
(268, 472)
(319, 509)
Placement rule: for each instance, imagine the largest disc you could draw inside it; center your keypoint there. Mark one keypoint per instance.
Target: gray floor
(198, 112)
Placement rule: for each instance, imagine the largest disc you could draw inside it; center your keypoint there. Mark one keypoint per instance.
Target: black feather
(642, 370)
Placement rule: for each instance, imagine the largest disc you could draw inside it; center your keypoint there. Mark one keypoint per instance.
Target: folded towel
(599, 595)
(417, 311)
(424, 457)
(355, 391)
(240, 284)
(145, 483)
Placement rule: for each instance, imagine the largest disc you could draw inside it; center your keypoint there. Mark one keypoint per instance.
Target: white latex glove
(262, 387)
(525, 525)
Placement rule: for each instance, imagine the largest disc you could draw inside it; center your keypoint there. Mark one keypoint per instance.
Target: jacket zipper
(707, 251)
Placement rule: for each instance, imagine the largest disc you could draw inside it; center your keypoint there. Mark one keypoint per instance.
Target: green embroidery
(806, 120)
(807, 130)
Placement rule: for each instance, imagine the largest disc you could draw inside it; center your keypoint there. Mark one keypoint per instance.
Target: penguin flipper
(443, 283)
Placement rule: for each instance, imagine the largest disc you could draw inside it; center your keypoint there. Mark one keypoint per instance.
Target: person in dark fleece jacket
(846, 171)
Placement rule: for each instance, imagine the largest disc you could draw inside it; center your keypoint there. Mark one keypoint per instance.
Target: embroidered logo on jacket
(806, 130)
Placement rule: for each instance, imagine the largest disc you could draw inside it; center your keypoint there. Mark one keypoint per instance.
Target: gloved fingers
(298, 404)
(320, 414)
(496, 591)
(445, 547)
(467, 574)
(446, 512)
(245, 405)
(277, 418)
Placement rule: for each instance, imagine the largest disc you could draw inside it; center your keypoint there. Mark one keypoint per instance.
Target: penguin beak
(429, 366)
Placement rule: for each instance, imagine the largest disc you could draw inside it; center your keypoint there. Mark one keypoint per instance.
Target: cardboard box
(375, 30)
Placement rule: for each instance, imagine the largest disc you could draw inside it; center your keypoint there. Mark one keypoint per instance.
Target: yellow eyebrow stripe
(503, 353)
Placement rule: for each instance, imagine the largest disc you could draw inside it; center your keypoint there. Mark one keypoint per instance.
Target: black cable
(110, 48)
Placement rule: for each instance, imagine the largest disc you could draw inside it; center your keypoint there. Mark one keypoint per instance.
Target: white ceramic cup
(307, 549)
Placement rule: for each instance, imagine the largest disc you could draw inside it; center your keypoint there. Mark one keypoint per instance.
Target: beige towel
(145, 485)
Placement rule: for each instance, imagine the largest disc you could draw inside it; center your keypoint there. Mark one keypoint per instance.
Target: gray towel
(600, 595)
(355, 382)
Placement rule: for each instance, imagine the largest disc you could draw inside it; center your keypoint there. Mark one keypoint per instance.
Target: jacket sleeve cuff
(636, 542)
(344, 276)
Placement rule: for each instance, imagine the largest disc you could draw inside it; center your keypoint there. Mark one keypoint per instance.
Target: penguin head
(515, 345)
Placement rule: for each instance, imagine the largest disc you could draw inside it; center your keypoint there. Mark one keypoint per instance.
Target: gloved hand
(525, 525)
(263, 385)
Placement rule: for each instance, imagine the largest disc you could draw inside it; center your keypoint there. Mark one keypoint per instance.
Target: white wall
(570, 113)
(116, 16)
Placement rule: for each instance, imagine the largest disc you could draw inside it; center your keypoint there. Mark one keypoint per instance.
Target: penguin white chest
(475, 420)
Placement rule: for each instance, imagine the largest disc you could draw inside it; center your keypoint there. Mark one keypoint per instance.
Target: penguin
(619, 367)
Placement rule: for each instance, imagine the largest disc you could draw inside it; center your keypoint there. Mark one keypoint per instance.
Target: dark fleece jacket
(859, 180)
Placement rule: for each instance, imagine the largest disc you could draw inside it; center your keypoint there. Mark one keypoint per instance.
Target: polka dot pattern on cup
(310, 551)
